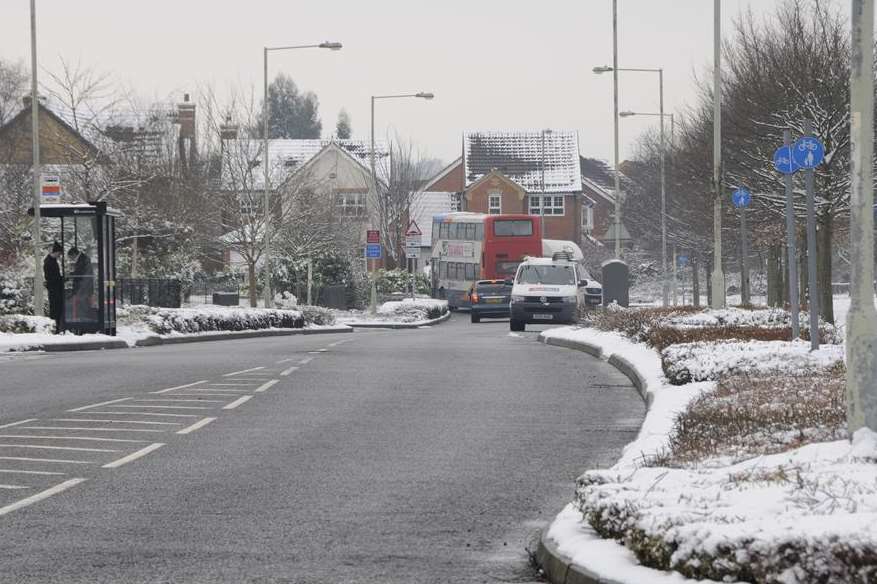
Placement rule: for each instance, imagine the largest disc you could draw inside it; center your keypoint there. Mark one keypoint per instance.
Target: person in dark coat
(55, 285)
(82, 276)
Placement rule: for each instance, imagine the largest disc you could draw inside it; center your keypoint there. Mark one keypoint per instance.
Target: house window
(551, 205)
(456, 201)
(494, 204)
(351, 204)
(587, 218)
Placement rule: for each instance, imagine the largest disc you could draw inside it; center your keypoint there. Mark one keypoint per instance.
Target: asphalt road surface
(428, 455)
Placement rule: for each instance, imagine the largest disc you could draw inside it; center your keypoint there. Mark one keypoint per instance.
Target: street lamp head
(626, 114)
(603, 69)
(425, 95)
(332, 46)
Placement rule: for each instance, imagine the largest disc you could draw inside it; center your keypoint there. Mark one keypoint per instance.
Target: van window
(558, 275)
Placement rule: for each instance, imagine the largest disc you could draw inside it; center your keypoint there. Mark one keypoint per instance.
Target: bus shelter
(88, 265)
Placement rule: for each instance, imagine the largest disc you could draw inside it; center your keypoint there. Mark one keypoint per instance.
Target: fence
(164, 293)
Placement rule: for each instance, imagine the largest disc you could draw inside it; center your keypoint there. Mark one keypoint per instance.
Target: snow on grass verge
(748, 479)
(407, 311)
(25, 323)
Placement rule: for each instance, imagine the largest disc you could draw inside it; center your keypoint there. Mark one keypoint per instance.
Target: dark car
(490, 299)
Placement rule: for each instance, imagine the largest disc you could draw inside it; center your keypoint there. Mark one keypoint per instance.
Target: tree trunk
(695, 281)
(709, 280)
(823, 266)
(775, 276)
(251, 277)
(803, 276)
(135, 258)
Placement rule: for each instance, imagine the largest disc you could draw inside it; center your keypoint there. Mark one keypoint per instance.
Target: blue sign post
(783, 160)
(741, 198)
(808, 152)
(373, 250)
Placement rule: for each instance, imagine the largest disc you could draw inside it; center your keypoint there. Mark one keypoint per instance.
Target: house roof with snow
(598, 177)
(523, 156)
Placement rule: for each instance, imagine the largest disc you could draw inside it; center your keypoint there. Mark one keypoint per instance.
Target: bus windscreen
(513, 227)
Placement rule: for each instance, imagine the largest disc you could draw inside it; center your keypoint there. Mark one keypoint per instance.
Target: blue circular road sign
(783, 160)
(741, 198)
(808, 152)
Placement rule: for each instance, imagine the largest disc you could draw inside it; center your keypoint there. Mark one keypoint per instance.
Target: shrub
(14, 293)
(710, 361)
(188, 320)
(414, 311)
(391, 281)
(317, 315)
(25, 323)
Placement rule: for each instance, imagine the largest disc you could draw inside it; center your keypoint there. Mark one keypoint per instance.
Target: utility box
(616, 283)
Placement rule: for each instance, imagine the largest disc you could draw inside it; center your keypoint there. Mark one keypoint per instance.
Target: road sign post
(50, 188)
(785, 163)
(413, 240)
(808, 153)
(741, 199)
(372, 252)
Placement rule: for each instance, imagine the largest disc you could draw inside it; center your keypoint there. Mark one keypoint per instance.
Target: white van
(547, 291)
(594, 290)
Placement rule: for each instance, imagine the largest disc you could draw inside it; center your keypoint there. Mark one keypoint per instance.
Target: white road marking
(114, 401)
(12, 487)
(286, 372)
(285, 360)
(44, 447)
(114, 421)
(180, 386)
(90, 429)
(306, 360)
(35, 498)
(101, 439)
(232, 384)
(336, 343)
(265, 386)
(166, 407)
(146, 414)
(317, 352)
(238, 402)
(133, 456)
(213, 394)
(233, 373)
(197, 425)
(59, 461)
(203, 401)
(18, 423)
(30, 472)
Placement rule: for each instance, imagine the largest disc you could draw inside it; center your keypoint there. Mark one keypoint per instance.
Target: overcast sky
(493, 64)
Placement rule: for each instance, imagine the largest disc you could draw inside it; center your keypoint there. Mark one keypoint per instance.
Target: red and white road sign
(413, 229)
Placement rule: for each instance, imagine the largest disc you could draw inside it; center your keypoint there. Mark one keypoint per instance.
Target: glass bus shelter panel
(108, 273)
(81, 247)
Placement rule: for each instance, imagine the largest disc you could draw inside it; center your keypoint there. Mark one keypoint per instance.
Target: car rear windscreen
(493, 289)
(513, 227)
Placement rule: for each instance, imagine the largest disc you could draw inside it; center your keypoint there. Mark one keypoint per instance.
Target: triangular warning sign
(413, 229)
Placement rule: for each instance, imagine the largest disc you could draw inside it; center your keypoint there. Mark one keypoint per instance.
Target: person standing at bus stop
(82, 276)
(54, 284)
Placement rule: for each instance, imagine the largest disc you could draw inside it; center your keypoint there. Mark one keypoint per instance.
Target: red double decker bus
(467, 247)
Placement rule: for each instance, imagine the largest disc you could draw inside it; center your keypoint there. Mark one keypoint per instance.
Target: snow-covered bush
(413, 310)
(285, 300)
(710, 361)
(14, 293)
(317, 315)
(209, 318)
(390, 281)
(26, 323)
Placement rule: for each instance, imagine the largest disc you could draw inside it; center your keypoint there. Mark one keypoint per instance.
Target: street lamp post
(35, 137)
(718, 277)
(374, 176)
(861, 338)
(665, 288)
(266, 200)
(542, 197)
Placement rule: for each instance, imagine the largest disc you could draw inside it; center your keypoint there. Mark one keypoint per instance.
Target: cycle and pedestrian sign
(783, 160)
(741, 198)
(808, 152)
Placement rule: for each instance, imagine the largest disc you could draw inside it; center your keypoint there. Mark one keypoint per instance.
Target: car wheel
(516, 325)
(474, 318)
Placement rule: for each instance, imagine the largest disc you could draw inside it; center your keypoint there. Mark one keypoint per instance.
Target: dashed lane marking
(133, 456)
(113, 421)
(53, 460)
(265, 386)
(231, 384)
(286, 372)
(213, 393)
(167, 407)
(40, 496)
(181, 386)
(145, 414)
(18, 423)
(285, 360)
(306, 360)
(202, 401)
(196, 426)
(90, 438)
(90, 429)
(45, 447)
(233, 373)
(238, 402)
(113, 401)
(12, 487)
(30, 472)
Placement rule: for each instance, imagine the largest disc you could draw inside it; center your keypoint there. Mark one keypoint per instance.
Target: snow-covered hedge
(25, 323)
(408, 310)
(689, 362)
(209, 318)
(317, 315)
(14, 293)
(803, 516)
(766, 317)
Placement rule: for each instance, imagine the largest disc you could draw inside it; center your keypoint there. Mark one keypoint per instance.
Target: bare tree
(13, 86)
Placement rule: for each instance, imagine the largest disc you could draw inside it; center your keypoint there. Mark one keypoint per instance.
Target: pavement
(425, 455)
